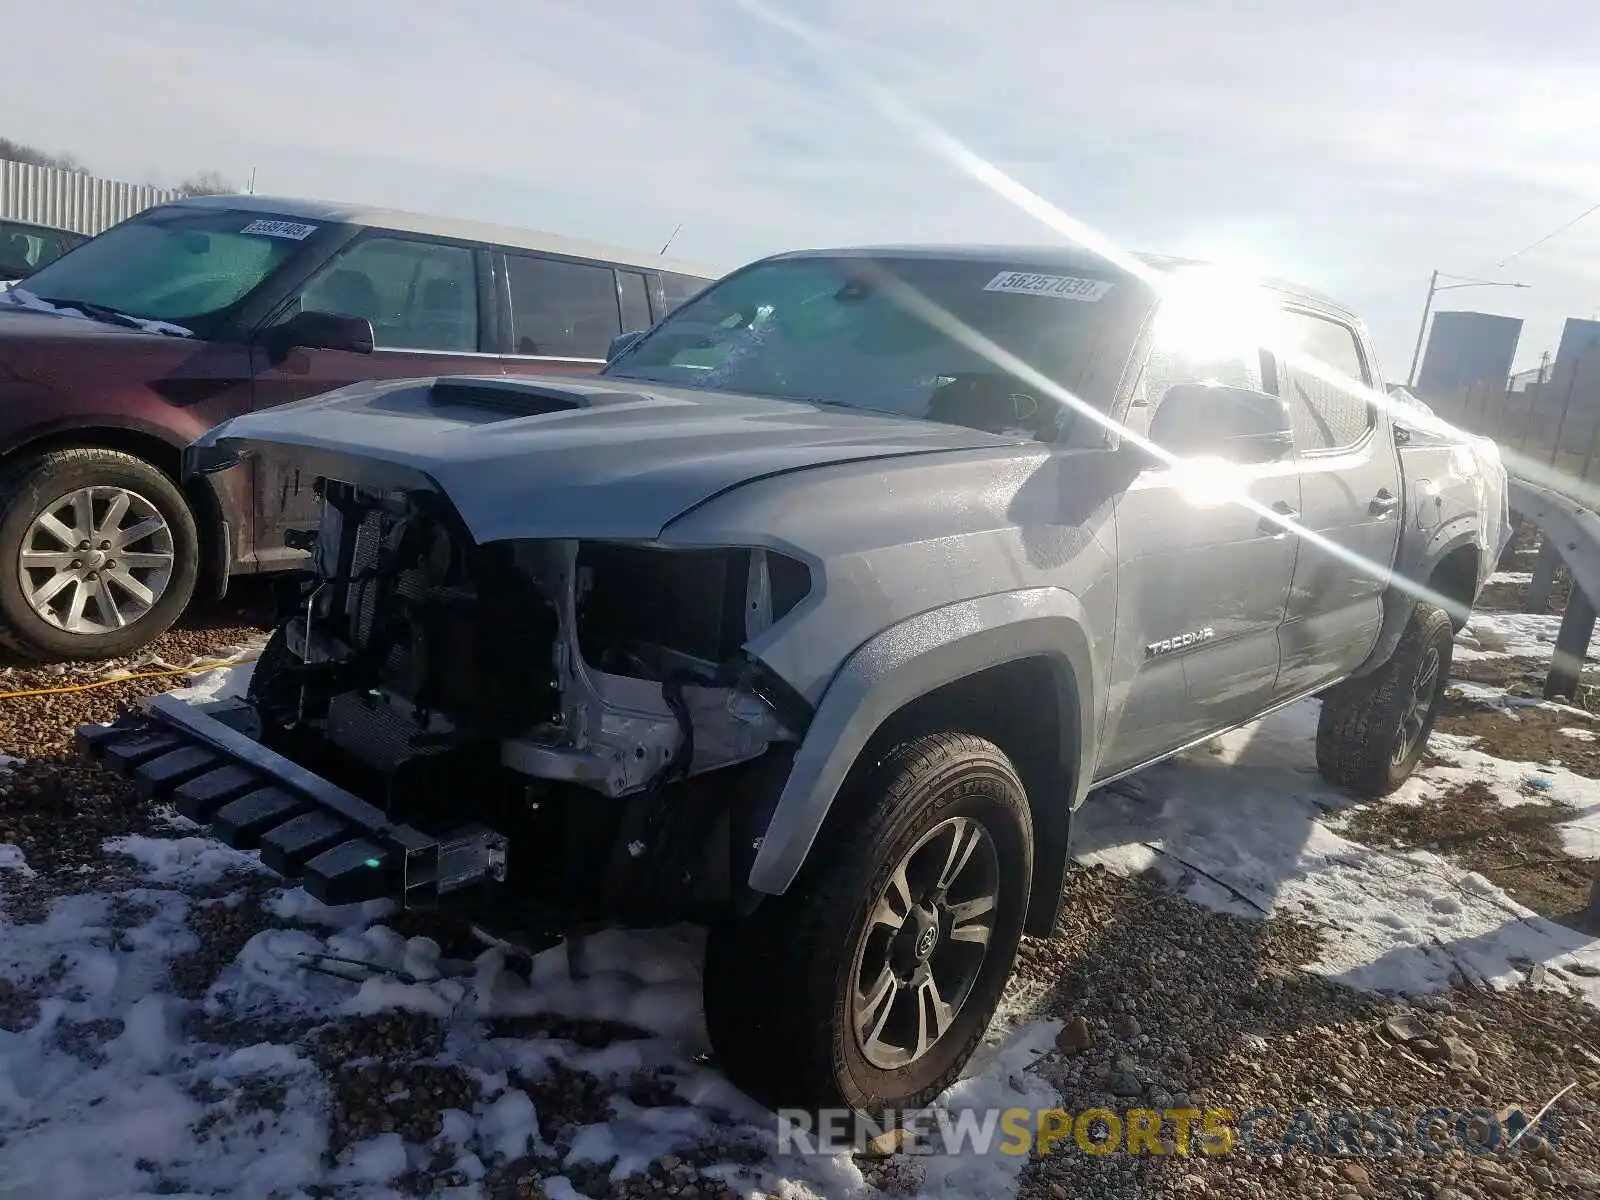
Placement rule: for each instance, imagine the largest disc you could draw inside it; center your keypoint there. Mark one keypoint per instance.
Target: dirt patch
(1527, 733)
(1518, 848)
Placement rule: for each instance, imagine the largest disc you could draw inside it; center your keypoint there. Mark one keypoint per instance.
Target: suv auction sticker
(1064, 287)
(281, 229)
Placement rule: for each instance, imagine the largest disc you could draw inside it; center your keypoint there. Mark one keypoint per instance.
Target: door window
(1327, 416)
(1168, 366)
(677, 289)
(418, 295)
(635, 301)
(561, 309)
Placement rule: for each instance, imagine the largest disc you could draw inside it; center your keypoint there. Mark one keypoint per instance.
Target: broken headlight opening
(590, 704)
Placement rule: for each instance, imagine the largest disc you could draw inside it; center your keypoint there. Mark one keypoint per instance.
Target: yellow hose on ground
(197, 669)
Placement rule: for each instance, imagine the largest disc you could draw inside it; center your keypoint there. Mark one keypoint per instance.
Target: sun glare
(1213, 313)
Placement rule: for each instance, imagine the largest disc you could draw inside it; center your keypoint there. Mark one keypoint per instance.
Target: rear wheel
(1372, 730)
(868, 985)
(98, 554)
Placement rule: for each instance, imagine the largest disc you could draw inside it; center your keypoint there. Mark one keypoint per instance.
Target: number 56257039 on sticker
(1061, 287)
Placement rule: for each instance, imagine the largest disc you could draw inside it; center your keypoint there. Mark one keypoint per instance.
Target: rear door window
(419, 295)
(1327, 415)
(561, 309)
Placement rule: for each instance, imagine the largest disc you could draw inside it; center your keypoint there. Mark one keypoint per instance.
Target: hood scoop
(512, 397)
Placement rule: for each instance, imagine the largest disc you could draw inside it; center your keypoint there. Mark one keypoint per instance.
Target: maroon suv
(115, 356)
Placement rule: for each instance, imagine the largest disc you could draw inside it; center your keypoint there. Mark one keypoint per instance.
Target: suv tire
(784, 988)
(84, 507)
(1373, 730)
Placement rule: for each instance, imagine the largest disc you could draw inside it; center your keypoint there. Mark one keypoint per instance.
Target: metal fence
(69, 200)
(1555, 422)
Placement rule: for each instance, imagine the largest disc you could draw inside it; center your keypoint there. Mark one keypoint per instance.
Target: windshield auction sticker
(292, 230)
(1062, 287)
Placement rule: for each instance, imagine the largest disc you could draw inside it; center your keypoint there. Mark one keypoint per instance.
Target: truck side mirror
(1238, 424)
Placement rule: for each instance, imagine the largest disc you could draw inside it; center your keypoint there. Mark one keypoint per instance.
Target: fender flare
(909, 660)
(1399, 602)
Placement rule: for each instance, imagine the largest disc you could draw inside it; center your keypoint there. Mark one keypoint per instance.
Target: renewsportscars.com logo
(1353, 1132)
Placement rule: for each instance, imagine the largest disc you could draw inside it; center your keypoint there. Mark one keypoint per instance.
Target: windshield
(871, 333)
(25, 248)
(177, 265)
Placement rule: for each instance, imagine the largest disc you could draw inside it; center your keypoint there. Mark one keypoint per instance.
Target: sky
(1353, 147)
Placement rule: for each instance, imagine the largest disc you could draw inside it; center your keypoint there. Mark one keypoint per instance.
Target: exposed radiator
(376, 731)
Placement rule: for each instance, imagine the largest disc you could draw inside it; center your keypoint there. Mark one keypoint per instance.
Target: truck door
(1201, 586)
(1350, 495)
(425, 300)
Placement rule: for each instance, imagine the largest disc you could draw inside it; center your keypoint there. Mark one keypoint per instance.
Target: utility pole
(1435, 287)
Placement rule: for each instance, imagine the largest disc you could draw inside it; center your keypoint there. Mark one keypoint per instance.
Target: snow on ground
(90, 1118)
(1507, 635)
(104, 1077)
(1250, 817)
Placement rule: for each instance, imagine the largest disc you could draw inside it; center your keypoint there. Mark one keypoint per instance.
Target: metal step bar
(202, 759)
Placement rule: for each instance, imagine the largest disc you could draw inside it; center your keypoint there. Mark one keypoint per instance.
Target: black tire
(1360, 743)
(27, 488)
(272, 689)
(778, 986)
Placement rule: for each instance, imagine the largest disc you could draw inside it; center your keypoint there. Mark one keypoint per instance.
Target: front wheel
(868, 985)
(98, 554)
(1373, 730)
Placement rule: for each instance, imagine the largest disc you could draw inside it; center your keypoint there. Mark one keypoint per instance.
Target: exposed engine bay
(588, 702)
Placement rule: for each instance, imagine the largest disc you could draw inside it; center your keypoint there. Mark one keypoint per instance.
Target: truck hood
(558, 458)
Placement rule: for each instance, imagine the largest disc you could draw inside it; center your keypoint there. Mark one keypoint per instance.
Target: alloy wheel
(925, 942)
(96, 560)
(1415, 715)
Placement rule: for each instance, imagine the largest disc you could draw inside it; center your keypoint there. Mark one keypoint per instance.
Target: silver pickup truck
(816, 616)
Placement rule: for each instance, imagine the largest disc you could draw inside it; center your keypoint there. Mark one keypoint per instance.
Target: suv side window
(1326, 417)
(635, 301)
(418, 295)
(561, 309)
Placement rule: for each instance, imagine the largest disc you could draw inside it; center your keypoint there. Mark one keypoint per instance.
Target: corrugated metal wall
(71, 201)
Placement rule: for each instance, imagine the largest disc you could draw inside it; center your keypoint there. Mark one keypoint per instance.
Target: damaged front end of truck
(545, 733)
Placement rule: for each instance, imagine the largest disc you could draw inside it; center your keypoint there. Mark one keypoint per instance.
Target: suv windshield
(25, 248)
(177, 265)
(878, 334)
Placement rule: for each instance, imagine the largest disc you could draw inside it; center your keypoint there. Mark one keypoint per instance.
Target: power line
(1554, 233)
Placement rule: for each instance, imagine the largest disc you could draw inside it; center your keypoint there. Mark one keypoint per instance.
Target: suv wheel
(870, 982)
(1373, 730)
(98, 554)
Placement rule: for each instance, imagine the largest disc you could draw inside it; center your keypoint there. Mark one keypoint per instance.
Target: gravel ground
(1165, 1004)
(41, 727)
(1171, 1006)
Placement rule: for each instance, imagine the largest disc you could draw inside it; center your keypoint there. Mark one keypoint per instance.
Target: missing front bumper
(204, 760)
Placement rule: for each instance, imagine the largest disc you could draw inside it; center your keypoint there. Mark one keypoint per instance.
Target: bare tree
(19, 152)
(207, 183)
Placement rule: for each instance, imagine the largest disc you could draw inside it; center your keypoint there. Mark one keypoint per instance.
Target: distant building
(1577, 336)
(1466, 349)
(1532, 377)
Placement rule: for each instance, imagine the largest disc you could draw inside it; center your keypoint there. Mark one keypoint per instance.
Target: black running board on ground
(341, 849)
